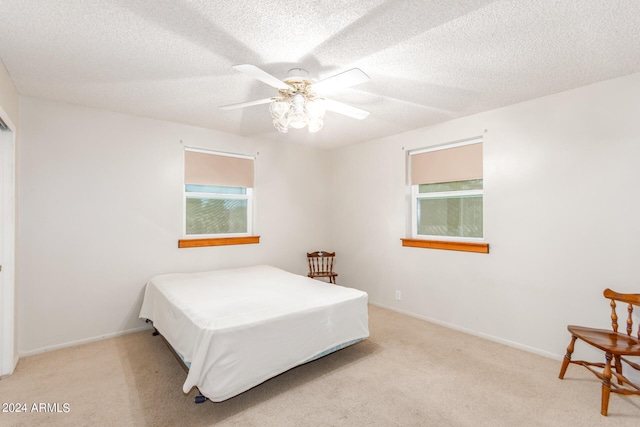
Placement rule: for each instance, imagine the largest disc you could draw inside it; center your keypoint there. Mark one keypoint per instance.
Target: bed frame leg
(200, 398)
(155, 331)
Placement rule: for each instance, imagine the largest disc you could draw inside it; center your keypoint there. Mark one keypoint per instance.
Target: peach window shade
(216, 169)
(459, 163)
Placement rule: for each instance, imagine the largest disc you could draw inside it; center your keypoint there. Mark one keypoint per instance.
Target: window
(218, 194)
(212, 210)
(447, 191)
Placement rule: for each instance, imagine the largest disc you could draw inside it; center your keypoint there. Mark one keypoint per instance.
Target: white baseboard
(83, 341)
(509, 343)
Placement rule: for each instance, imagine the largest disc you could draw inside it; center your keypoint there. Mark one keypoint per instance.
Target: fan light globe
(281, 124)
(279, 127)
(279, 109)
(298, 119)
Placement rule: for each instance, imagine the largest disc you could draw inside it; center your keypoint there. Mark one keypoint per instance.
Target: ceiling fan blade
(246, 104)
(347, 110)
(346, 79)
(263, 76)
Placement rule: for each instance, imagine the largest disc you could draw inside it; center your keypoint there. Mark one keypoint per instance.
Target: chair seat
(607, 340)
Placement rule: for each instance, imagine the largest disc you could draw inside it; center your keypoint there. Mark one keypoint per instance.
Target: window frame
(249, 196)
(416, 196)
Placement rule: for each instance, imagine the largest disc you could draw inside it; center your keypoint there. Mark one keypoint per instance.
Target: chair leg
(567, 357)
(606, 385)
(618, 366)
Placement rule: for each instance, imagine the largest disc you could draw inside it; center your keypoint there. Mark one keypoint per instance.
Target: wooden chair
(321, 265)
(615, 345)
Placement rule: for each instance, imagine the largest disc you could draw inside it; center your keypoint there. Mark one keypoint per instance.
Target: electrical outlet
(398, 295)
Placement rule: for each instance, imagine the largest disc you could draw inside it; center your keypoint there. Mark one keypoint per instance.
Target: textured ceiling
(429, 61)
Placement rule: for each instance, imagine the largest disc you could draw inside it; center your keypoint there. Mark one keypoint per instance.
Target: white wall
(561, 218)
(101, 212)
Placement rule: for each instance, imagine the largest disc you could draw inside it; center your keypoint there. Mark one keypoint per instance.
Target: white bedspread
(240, 327)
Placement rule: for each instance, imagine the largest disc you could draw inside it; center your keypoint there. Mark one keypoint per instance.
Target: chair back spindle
(614, 316)
(630, 321)
(632, 300)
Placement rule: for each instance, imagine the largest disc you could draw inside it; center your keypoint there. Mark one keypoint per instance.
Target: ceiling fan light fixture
(297, 109)
(298, 105)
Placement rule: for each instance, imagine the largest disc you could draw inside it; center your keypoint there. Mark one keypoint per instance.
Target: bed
(236, 328)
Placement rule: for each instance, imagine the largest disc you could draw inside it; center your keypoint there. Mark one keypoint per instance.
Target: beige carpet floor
(408, 373)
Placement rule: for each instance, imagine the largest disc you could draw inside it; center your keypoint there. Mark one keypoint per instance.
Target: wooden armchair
(615, 345)
(321, 265)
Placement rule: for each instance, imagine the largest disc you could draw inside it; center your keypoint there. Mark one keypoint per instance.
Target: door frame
(8, 353)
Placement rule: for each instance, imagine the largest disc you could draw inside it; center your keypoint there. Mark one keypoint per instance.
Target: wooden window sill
(447, 245)
(218, 241)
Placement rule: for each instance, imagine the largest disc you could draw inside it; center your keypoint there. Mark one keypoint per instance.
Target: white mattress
(239, 327)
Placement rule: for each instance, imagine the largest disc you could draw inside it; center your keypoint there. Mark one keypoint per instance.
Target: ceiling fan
(298, 104)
